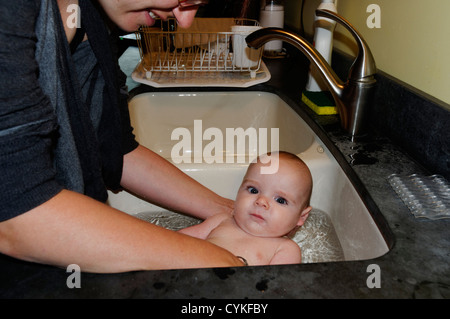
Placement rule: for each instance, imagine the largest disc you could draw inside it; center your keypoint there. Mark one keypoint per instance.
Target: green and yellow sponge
(322, 103)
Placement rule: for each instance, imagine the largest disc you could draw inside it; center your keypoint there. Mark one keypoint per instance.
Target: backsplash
(417, 123)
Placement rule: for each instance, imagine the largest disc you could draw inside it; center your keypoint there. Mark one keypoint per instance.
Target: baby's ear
(304, 216)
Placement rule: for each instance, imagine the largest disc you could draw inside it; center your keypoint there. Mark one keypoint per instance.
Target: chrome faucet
(352, 98)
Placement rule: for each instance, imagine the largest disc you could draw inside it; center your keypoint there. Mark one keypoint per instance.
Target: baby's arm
(203, 229)
(288, 253)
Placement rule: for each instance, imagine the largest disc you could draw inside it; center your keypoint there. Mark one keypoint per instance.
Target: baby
(267, 208)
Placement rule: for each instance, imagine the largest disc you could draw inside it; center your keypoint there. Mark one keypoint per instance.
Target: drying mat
(425, 196)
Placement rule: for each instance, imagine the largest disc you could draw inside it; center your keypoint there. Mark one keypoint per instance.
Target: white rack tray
(201, 79)
(174, 57)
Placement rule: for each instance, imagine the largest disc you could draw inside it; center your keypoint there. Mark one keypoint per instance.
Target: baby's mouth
(257, 216)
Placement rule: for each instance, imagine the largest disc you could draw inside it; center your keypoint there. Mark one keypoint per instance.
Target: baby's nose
(262, 201)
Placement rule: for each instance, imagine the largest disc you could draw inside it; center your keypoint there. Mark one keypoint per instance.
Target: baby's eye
(252, 190)
(281, 200)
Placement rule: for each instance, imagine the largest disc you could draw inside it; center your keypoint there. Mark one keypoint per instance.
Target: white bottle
(272, 15)
(323, 42)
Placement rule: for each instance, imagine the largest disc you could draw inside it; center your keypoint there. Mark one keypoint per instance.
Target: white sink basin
(341, 217)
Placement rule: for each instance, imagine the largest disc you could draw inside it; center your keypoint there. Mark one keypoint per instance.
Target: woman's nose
(185, 17)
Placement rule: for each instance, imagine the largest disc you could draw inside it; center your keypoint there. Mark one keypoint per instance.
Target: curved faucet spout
(352, 97)
(260, 37)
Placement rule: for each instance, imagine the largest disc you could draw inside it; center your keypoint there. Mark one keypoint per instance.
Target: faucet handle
(364, 66)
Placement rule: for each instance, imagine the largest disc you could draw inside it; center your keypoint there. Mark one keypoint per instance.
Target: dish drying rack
(172, 56)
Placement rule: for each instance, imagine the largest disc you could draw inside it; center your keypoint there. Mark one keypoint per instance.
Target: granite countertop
(418, 265)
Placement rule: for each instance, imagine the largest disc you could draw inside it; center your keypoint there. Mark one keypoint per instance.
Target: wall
(412, 44)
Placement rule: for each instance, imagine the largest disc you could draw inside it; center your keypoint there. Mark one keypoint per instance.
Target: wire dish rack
(172, 56)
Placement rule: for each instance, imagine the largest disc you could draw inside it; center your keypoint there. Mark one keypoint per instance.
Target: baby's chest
(256, 250)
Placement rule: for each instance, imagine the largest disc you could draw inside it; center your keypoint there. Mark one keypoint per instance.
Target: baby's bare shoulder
(288, 252)
(286, 243)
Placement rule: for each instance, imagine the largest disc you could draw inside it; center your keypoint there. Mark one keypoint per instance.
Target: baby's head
(272, 205)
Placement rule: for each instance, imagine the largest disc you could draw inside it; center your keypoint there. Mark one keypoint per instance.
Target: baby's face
(271, 205)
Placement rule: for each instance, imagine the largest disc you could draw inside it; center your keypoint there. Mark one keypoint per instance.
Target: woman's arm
(158, 181)
(74, 229)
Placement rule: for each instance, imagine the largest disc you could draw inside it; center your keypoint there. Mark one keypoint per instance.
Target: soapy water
(317, 237)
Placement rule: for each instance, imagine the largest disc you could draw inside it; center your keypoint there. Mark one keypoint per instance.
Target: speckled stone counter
(417, 266)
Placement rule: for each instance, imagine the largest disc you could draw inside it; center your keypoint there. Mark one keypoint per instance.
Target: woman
(65, 138)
